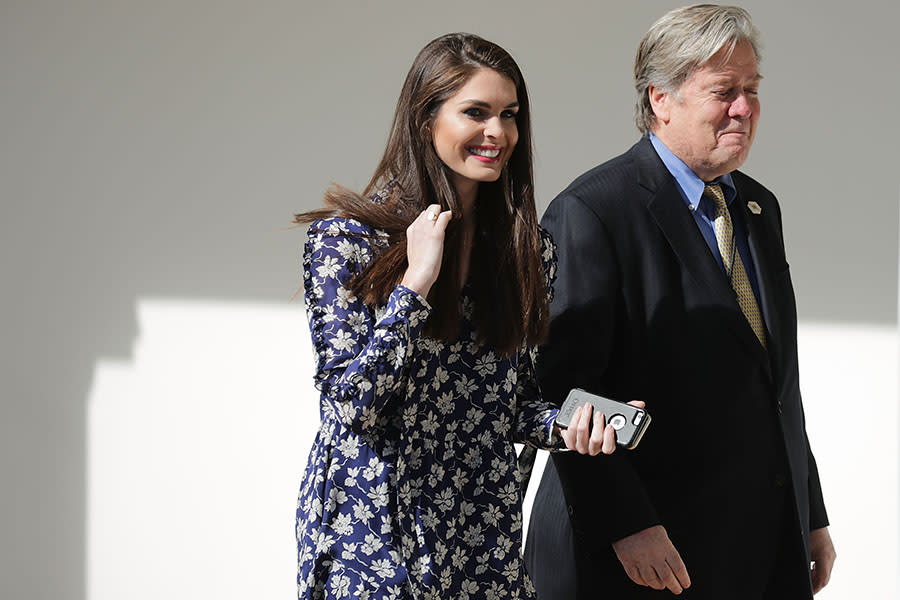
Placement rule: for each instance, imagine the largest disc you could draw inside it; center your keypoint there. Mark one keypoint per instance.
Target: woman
(426, 298)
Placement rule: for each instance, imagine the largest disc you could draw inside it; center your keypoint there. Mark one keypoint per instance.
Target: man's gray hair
(682, 41)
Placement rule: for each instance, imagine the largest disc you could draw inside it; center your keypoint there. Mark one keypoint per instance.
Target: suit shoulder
(751, 188)
(601, 188)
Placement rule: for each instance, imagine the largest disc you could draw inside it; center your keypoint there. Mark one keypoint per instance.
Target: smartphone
(629, 421)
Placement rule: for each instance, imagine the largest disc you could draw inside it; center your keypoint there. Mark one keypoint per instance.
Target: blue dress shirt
(703, 210)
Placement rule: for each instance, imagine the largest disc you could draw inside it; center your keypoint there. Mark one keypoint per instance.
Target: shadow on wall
(147, 150)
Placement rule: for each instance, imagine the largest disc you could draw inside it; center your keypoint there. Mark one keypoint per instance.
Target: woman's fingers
(597, 434)
(603, 437)
(609, 440)
(582, 431)
(430, 221)
(443, 219)
(583, 438)
(425, 248)
(568, 434)
(577, 435)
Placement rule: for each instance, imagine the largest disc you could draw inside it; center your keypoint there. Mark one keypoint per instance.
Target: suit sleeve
(818, 517)
(585, 309)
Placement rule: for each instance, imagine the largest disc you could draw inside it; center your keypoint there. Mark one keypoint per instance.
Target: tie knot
(714, 191)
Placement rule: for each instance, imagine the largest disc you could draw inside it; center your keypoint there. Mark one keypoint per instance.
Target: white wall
(151, 153)
(195, 452)
(196, 447)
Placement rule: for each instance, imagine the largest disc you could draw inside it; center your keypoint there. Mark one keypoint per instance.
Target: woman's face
(475, 131)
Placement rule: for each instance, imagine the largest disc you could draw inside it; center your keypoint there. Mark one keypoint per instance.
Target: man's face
(711, 121)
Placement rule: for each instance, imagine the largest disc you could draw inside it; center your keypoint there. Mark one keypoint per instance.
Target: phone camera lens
(617, 421)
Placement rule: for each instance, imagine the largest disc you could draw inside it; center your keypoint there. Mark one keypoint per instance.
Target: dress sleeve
(361, 354)
(534, 416)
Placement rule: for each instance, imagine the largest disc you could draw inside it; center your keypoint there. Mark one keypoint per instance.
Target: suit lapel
(677, 224)
(759, 238)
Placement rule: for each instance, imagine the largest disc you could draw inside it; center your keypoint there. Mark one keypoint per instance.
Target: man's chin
(732, 158)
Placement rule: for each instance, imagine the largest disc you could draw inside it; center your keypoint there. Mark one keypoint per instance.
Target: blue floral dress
(412, 488)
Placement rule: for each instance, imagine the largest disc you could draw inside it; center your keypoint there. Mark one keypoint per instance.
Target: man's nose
(740, 107)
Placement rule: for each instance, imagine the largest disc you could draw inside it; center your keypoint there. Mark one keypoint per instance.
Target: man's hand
(650, 559)
(822, 552)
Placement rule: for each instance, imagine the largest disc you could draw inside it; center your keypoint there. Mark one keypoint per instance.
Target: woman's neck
(467, 193)
(467, 196)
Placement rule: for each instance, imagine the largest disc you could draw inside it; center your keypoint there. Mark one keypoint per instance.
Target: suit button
(570, 510)
(779, 480)
(780, 408)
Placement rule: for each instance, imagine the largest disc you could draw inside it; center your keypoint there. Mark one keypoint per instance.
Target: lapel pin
(754, 207)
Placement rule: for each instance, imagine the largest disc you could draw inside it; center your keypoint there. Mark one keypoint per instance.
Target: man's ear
(660, 102)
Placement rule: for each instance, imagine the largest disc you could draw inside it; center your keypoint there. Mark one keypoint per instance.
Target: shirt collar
(690, 186)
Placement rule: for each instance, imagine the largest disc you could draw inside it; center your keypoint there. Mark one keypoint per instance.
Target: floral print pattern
(412, 488)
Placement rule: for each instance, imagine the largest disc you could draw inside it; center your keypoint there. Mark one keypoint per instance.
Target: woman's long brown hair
(508, 286)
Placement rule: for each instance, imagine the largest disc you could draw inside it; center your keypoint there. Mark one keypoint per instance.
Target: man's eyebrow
(726, 79)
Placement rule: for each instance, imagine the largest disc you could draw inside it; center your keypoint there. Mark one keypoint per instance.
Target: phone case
(629, 421)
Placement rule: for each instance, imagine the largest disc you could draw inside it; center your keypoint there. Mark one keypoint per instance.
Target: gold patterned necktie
(734, 266)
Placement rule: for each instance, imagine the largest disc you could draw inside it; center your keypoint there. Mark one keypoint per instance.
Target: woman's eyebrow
(484, 104)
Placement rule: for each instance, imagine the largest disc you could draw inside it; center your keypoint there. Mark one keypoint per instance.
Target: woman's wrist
(417, 283)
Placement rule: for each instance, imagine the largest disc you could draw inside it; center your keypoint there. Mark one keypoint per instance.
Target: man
(673, 288)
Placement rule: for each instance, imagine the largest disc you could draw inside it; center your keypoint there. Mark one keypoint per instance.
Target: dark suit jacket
(642, 311)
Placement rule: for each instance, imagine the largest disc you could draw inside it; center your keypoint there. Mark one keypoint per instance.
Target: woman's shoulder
(346, 227)
(337, 229)
(340, 227)
(340, 240)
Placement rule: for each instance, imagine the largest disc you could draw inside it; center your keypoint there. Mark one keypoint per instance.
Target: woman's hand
(580, 437)
(425, 248)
